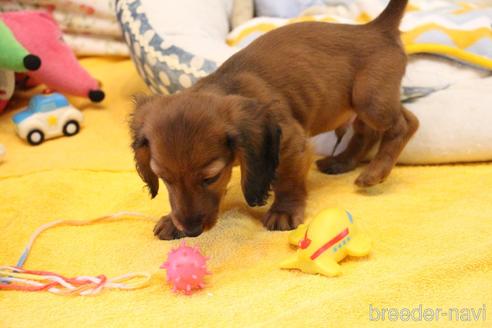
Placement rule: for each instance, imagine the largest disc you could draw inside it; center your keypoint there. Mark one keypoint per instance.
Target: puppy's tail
(390, 18)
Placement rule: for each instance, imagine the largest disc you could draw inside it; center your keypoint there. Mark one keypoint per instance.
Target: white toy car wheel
(71, 128)
(35, 137)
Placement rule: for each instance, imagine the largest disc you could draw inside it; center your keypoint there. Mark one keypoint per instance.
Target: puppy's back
(312, 65)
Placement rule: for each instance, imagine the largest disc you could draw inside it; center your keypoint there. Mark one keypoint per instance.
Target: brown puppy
(258, 110)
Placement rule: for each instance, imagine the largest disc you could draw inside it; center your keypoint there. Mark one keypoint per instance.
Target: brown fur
(258, 110)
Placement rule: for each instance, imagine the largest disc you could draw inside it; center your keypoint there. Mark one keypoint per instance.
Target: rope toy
(18, 278)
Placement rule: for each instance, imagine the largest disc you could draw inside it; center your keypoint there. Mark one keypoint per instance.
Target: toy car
(47, 116)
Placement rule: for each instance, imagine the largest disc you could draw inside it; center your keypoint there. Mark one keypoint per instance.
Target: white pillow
(197, 26)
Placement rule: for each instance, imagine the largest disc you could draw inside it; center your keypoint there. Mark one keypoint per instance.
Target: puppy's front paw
(277, 220)
(335, 165)
(165, 229)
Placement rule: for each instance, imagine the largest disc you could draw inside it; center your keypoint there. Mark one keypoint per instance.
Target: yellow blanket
(431, 227)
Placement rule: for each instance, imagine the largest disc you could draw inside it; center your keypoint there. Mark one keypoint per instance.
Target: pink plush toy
(186, 269)
(38, 32)
(13, 58)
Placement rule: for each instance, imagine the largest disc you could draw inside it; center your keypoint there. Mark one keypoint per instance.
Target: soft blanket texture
(431, 228)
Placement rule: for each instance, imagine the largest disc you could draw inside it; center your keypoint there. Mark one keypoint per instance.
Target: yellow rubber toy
(326, 240)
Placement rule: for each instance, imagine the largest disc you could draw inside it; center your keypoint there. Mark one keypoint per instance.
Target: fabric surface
(285, 9)
(198, 26)
(431, 229)
(242, 11)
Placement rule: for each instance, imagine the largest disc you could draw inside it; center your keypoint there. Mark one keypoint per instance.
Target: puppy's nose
(194, 232)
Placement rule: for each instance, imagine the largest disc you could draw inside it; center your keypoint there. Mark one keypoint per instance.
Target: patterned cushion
(167, 59)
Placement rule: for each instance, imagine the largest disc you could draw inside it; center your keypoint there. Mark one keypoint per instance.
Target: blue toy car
(47, 116)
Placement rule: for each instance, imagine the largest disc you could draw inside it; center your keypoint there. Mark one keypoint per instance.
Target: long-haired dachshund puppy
(258, 110)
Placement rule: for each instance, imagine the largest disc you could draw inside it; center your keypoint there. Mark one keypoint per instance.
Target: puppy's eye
(208, 181)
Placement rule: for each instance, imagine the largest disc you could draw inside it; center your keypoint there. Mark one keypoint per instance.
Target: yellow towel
(431, 227)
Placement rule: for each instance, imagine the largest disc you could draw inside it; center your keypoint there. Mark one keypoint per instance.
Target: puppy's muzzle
(195, 226)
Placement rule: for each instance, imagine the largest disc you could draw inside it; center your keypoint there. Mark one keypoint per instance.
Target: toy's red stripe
(332, 242)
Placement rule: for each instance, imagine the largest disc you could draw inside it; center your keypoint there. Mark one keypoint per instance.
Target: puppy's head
(191, 141)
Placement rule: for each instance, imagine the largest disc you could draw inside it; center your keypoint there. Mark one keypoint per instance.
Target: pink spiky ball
(186, 268)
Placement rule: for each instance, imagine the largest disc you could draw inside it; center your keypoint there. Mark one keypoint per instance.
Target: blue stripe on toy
(349, 216)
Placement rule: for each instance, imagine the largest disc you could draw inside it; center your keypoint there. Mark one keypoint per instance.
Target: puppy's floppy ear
(140, 145)
(256, 141)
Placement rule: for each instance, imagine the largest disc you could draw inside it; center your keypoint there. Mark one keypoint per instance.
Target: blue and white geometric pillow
(165, 67)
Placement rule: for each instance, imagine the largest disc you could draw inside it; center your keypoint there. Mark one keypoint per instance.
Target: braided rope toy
(18, 278)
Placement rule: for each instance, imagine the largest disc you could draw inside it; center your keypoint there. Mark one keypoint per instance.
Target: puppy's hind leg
(376, 97)
(393, 141)
(359, 146)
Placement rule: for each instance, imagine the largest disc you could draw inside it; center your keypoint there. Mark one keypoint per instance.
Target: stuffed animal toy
(13, 58)
(39, 34)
